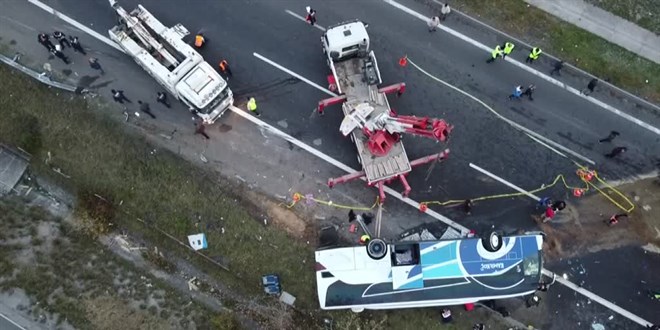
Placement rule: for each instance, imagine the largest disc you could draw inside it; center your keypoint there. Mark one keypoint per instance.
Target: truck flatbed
(351, 76)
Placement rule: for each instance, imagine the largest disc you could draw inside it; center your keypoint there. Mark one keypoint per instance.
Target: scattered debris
(198, 241)
(287, 298)
(271, 284)
(192, 284)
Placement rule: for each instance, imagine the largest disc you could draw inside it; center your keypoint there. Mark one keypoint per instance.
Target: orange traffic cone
(403, 61)
(577, 192)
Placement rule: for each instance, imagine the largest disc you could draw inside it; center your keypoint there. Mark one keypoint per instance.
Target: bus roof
(415, 274)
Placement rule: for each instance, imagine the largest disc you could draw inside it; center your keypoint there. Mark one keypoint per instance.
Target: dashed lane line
(416, 204)
(335, 162)
(303, 19)
(530, 69)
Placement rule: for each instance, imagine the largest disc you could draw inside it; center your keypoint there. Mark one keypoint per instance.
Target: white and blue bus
(428, 273)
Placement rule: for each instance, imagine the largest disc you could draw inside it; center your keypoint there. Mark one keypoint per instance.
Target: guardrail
(42, 77)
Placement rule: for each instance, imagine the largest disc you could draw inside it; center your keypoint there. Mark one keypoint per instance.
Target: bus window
(405, 254)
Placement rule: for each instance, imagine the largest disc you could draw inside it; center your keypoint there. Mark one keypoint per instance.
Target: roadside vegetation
(572, 44)
(66, 278)
(125, 184)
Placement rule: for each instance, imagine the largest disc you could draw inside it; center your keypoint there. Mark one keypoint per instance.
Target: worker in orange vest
(199, 40)
(224, 68)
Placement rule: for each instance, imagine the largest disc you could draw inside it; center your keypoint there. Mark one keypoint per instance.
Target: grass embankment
(70, 278)
(102, 157)
(570, 43)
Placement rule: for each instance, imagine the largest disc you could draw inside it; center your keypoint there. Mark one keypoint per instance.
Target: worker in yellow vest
(199, 40)
(508, 48)
(533, 55)
(252, 106)
(364, 239)
(495, 53)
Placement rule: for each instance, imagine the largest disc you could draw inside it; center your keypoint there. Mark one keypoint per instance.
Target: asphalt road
(236, 29)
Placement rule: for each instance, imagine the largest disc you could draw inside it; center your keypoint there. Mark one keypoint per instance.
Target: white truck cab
(346, 40)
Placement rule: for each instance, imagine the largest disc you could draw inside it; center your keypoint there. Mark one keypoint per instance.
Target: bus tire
(357, 309)
(493, 242)
(376, 249)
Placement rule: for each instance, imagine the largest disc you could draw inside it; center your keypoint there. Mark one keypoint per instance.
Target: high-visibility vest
(508, 48)
(223, 65)
(364, 239)
(535, 53)
(252, 104)
(496, 51)
(199, 40)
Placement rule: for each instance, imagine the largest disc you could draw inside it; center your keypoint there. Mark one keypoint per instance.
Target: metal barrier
(42, 77)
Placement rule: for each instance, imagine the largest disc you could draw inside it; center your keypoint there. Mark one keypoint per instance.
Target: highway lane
(295, 91)
(238, 29)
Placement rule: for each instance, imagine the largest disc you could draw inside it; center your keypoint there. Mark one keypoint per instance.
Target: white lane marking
(12, 322)
(409, 201)
(303, 19)
(18, 23)
(530, 69)
(75, 23)
(598, 299)
(535, 136)
(339, 164)
(518, 41)
(311, 83)
(267, 127)
(567, 283)
(511, 185)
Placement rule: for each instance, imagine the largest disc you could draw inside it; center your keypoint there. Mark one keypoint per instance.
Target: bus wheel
(357, 309)
(493, 243)
(376, 249)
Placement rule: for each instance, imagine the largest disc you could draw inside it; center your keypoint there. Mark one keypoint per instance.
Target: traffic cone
(577, 192)
(423, 207)
(403, 61)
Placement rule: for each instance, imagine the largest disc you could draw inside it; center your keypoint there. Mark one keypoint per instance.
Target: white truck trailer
(177, 66)
(368, 119)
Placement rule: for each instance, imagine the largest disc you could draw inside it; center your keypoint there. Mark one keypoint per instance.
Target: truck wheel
(493, 242)
(376, 249)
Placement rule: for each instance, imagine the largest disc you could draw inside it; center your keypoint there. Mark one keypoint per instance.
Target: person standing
(94, 64)
(224, 68)
(508, 48)
(558, 205)
(252, 106)
(199, 40)
(162, 98)
(590, 87)
(57, 51)
(529, 90)
(119, 96)
(467, 206)
(44, 40)
(144, 107)
(446, 315)
(77, 47)
(444, 11)
(433, 23)
(558, 66)
(616, 151)
(61, 37)
(311, 16)
(517, 93)
(201, 130)
(495, 53)
(364, 239)
(533, 55)
(609, 138)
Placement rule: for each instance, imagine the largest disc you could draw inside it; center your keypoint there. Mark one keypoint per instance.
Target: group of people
(434, 22)
(62, 42)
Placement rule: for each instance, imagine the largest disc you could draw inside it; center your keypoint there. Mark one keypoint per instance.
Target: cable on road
(586, 176)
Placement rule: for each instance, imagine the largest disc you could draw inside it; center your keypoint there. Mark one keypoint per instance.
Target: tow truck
(368, 120)
(175, 65)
